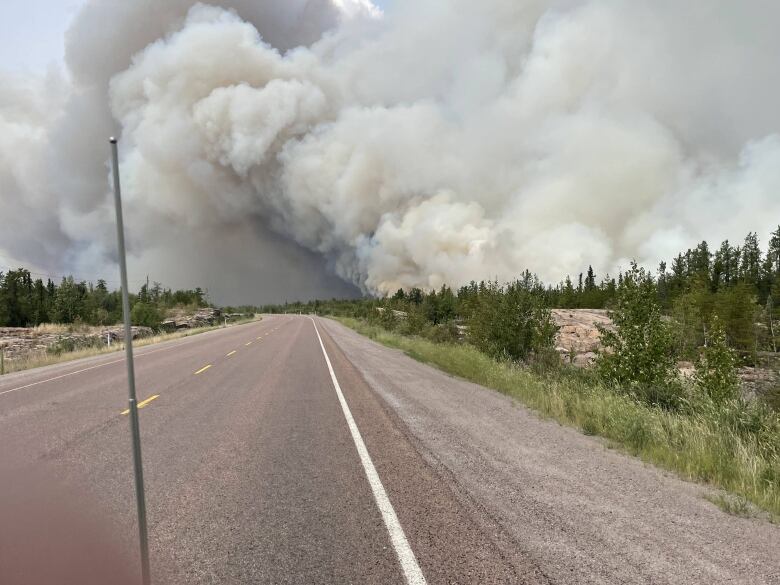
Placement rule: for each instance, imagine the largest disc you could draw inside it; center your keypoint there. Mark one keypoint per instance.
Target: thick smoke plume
(266, 146)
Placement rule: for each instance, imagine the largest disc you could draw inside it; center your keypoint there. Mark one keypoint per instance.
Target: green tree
(67, 302)
(145, 314)
(716, 373)
(750, 260)
(638, 356)
(511, 323)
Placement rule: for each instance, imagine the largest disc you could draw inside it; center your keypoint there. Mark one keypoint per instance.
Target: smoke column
(289, 149)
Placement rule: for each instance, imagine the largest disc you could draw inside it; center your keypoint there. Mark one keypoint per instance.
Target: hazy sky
(451, 141)
(31, 32)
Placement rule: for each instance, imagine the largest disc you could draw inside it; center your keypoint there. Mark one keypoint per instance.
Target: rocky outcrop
(204, 317)
(118, 333)
(20, 342)
(579, 339)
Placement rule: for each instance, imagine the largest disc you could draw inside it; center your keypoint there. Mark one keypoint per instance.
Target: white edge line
(403, 551)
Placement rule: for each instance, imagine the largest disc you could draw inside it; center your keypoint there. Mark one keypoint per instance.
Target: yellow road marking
(231, 353)
(248, 343)
(142, 403)
(148, 400)
(203, 369)
(260, 338)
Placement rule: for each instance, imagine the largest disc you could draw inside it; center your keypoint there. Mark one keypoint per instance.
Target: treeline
(738, 285)
(27, 302)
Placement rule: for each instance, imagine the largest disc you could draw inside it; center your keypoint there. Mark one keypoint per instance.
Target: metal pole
(133, 405)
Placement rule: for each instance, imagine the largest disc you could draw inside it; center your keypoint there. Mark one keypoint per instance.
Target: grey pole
(134, 428)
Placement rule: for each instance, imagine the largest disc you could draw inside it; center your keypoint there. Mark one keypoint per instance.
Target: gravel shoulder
(582, 512)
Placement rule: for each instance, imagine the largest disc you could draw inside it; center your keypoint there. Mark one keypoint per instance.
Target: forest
(739, 285)
(27, 302)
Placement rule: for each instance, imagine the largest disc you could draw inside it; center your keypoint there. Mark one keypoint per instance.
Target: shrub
(442, 333)
(70, 344)
(145, 314)
(510, 323)
(387, 319)
(716, 373)
(638, 355)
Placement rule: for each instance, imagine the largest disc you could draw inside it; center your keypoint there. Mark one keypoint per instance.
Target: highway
(292, 450)
(253, 474)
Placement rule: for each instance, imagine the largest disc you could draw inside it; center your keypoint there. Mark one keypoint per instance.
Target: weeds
(734, 446)
(734, 505)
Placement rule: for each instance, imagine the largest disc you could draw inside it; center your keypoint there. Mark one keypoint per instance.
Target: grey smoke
(268, 146)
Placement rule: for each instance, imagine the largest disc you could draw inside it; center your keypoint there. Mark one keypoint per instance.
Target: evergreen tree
(750, 260)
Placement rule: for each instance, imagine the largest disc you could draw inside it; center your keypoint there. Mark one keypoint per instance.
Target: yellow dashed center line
(203, 369)
(231, 353)
(248, 343)
(142, 403)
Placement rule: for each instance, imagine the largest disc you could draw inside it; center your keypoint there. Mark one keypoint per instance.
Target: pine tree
(750, 260)
(590, 279)
(773, 253)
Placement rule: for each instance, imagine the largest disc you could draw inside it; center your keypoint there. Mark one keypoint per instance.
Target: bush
(388, 319)
(146, 315)
(442, 333)
(415, 322)
(716, 373)
(70, 344)
(510, 323)
(638, 356)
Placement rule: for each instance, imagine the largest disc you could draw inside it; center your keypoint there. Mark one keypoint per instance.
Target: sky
(446, 142)
(31, 32)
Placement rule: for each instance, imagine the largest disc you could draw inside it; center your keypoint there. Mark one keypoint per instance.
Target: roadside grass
(62, 329)
(734, 505)
(735, 448)
(44, 358)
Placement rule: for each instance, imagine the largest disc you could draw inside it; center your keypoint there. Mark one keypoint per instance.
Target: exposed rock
(578, 339)
(396, 314)
(19, 342)
(204, 317)
(118, 333)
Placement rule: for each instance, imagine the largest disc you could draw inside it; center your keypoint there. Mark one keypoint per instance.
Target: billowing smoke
(268, 145)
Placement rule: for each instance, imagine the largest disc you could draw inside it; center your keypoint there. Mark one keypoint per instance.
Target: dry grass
(39, 359)
(61, 329)
(735, 447)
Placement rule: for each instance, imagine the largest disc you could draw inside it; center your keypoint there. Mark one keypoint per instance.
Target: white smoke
(438, 143)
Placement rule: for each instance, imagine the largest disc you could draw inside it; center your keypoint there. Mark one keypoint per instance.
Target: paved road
(254, 471)
(267, 462)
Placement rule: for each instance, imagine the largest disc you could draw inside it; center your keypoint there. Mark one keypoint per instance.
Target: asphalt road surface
(292, 450)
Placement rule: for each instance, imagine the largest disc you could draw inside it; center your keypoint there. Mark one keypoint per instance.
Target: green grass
(733, 447)
(734, 505)
(43, 358)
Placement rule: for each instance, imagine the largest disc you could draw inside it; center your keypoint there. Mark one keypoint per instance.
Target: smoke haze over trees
(286, 149)
(737, 286)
